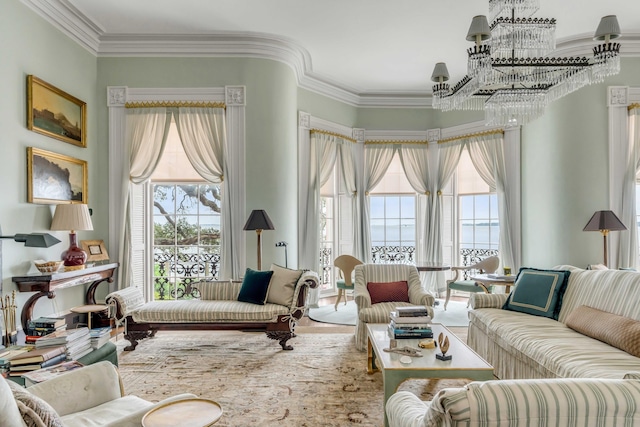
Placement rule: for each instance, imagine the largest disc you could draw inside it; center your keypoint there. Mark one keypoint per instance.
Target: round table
(88, 309)
(433, 266)
(194, 412)
(492, 279)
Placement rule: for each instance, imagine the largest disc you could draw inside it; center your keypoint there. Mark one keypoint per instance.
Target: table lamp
(72, 217)
(259, 220)
(604, 221)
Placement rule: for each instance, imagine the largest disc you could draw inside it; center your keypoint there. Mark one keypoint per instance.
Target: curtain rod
(391, 142)
(635, 106)
(175, 104)
(326, 132)
(471, 135)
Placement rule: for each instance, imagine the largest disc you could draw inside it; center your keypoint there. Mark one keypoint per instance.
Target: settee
(218, 308)
(596, 334)
(512, 403)
(90, 396)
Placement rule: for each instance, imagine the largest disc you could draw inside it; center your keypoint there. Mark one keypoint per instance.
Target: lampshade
(259, 220)
(440, 70)
(608, 26)
(72, 217)
(604, 220)
(479, 27)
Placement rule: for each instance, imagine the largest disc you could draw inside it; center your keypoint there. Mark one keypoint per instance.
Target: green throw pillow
(255, 286)
(538, 292)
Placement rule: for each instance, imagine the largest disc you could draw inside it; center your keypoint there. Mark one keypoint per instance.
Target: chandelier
(509, 72)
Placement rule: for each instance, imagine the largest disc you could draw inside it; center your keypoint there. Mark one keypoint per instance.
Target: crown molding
(82, 29)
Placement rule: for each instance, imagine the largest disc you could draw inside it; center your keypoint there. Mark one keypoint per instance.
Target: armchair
(90, 396)
(487, 265)
(378, 312)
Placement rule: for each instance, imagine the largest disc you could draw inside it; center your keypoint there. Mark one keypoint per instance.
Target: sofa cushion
(199, 311)
(34, 410)
(255, 286)
(283, 285)
(388, 291)
(618, 331)
(538, 292)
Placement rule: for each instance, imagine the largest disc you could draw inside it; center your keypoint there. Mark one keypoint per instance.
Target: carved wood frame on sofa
(221, 311)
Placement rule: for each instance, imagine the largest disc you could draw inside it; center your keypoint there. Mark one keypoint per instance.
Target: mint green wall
(327, 108)
(31, 46)
(271, 130)
(565, 175)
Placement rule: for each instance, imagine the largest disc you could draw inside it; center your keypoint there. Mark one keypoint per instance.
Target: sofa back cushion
(538, 292)
(613, 291)
(283, 285)
(618, 331)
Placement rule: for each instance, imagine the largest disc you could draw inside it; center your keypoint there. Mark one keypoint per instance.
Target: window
(186, 225)
(477, 214)
(393, 218)
(638, 211)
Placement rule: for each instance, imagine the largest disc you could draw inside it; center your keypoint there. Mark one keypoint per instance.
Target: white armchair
(379, 312)
(90, 396)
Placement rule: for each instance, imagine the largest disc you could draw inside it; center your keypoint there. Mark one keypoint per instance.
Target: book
(53, 361)
(410, 326)
(404, 333)
(99, 332)
(80, 354)
(100, 341)
(412, 311)
(48, 322)
(37, 355)
(409, 319)
(62, 337)
(8, 353)
(35, 377)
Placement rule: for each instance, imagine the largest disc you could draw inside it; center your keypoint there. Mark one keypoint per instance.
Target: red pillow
(388, 291)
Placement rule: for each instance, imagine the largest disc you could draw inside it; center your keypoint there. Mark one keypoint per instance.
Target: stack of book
(410, 322)
(35, 359)
(77, 342)
(8, 353)
(45, 325)
(100, 336)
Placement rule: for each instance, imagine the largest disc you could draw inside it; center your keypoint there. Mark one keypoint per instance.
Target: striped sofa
(379, 313)
(511, 403)
(525, 346)
(219, 311)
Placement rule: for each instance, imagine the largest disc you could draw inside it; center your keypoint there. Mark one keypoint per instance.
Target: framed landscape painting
(55, 178)
(55, 113)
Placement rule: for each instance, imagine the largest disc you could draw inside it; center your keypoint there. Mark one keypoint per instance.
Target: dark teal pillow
(538, 292)
(255, 286)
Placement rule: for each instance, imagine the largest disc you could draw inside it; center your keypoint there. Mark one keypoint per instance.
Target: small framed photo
(55, 113)
(55, 178)
(95, 250)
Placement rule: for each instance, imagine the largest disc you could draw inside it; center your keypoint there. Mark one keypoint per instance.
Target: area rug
(323, 382)
(455, 315)
(345, 315)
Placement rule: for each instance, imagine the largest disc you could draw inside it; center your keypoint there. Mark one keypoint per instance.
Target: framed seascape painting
(55, 178)
(55, 113)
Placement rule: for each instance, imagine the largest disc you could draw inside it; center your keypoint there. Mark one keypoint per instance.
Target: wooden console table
(48, 284)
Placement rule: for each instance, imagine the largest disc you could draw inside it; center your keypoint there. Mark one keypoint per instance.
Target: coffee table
(194, 412)
(465, 362)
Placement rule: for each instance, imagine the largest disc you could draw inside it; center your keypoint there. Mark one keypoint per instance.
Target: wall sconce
(34, 240)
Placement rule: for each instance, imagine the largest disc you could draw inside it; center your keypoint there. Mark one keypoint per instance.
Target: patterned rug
(323, 382)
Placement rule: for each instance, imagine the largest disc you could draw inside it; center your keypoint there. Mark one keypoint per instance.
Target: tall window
(477, 214)
(186, 225)
(393, 218)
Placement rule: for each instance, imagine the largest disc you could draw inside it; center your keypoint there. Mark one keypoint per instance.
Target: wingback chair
(385, 282)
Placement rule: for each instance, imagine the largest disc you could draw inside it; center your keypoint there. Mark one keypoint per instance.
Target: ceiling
(360, 47)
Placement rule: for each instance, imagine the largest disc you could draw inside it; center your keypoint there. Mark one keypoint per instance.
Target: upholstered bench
(219, 308)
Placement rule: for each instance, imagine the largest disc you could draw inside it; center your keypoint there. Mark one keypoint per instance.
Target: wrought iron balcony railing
(175, 273)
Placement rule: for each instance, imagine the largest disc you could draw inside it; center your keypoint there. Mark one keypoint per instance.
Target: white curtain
(348, 153)
(323, 156)
(448, 155)
(415, 162)
(377, 159)
(204, 138)
(487, 155)
(147, 130)
(628, 249)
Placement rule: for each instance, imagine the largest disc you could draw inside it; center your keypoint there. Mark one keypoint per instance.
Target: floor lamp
(259, 220)
(604, 221)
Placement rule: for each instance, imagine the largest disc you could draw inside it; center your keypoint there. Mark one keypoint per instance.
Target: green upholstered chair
(488, 265)
(346, 264)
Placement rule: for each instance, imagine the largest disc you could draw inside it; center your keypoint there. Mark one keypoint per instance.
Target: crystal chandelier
(509, 72)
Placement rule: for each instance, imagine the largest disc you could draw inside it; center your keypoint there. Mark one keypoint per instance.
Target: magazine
(44, 374)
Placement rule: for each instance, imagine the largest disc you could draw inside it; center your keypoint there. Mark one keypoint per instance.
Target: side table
(184, 413)
(88, 310)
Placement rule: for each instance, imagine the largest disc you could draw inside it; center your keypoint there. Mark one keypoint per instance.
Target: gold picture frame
(55, 178)
(55, 113)
(95, 250)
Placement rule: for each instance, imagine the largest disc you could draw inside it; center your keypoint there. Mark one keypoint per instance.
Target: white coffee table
(465, 362)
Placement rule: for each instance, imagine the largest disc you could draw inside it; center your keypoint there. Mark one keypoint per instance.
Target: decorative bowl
(48, 267)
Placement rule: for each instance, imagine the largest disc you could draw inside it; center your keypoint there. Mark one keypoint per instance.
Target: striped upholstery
(488, 300)
(379, 313)
(193, 311)
(524, 346)
(552, 402)
(218, 290)
(128, 299)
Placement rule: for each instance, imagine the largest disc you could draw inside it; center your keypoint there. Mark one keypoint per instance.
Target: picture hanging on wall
(55, 113)
(95, 250)
(55, 178)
